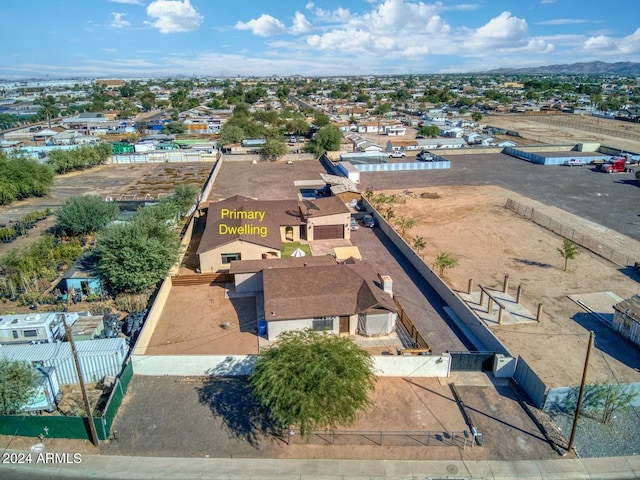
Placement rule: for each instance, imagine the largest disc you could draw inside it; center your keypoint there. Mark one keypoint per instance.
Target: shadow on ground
(532, 263)
(608, 341)
(230, 398)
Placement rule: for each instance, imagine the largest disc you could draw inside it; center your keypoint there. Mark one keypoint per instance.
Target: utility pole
(579, 403)
(85, 398)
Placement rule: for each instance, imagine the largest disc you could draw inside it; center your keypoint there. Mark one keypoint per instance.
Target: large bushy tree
(64, 161)
(327, 139)
(16, 385)
(273, 149)
(22, 177)
(312, 380)
(134, 256)
(85, 214)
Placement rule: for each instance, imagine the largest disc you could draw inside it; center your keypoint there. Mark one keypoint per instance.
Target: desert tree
(419, 243)
(313, 381)
(405, 223)
(444, 261)
(84, 214)
(568, 251)
(603, 399)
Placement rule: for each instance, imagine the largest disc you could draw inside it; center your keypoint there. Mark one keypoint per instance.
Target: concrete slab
(473, 379)
(326, 247)
(514, 313)
(599, 304)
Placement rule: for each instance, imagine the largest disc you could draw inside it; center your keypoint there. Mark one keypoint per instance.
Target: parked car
(368, 221)
(424, 157)
(397, 155)
(354, 224)
(574, 162)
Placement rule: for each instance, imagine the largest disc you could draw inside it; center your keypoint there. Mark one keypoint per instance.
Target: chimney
(387, 283)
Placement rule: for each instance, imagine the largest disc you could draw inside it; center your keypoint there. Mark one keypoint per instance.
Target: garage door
(324, 232)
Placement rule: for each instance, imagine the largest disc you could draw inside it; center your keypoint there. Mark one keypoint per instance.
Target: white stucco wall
(276, 327)
(228, 365)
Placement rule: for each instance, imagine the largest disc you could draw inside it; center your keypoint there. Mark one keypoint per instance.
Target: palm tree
(49, 108)
(569, 251)
(419, 243)
(405, 223)
(445, 260)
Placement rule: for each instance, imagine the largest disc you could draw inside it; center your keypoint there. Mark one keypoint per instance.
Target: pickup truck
(397, 155)
(574, 162)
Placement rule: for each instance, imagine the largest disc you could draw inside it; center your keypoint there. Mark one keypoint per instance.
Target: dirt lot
(217, 419)
(491, 241)
(565, 129)
(198, 320)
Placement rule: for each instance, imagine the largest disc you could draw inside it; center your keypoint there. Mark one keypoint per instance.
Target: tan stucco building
(241, 228)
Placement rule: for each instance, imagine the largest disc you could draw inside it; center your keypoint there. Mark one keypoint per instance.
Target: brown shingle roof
(312, 292)
(252, 266)
(219, 231)
(322, 206)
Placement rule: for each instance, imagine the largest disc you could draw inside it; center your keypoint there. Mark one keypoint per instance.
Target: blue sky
(143, 38)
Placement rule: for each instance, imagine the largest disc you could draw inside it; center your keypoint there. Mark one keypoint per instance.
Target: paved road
(609, 200)
(105, 467)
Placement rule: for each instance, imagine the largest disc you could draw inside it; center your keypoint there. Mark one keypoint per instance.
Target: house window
(30, 333)
(322, 324)
(229, 257)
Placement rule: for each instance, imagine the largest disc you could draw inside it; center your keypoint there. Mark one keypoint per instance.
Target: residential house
(325, 218)
(318, 293)
(432, 143)
(396, 130)
(241, 228)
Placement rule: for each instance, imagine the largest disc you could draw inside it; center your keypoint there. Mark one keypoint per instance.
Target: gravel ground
(593, 439)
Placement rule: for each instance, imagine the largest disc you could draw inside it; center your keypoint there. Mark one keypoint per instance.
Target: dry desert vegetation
(490, 242)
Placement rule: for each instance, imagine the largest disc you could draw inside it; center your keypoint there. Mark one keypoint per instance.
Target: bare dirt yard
(217, 418)
(559, 129)
(491, 241)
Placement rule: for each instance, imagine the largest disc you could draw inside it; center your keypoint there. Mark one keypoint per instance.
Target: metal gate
(471, 361)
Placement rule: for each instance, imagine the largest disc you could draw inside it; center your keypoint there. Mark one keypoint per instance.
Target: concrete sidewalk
(109, 467)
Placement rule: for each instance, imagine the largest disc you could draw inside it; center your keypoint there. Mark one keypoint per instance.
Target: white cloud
(613, 46)
(339, 15)
(265, 26)
(128, 2)
(503, 30)
(562, 21)
(300, 24)
(174, 16)
(393, 28)
(118, 21)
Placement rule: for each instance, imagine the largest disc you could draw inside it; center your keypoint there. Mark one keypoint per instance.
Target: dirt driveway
(189, 418)
(490, 241)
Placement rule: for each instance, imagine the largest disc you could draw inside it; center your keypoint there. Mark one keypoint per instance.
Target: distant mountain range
(588, 68)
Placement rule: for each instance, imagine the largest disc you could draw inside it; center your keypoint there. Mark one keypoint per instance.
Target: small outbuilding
(626, 319)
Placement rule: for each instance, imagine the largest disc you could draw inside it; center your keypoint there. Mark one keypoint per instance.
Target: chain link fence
(615, 256)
